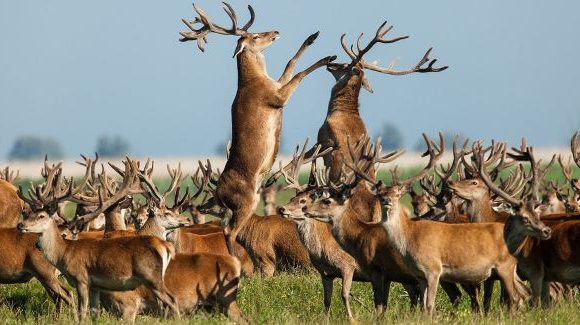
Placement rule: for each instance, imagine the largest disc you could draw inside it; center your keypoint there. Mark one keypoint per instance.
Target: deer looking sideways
(92, 265)
(544, 254)
(256, 114)
(424, 246)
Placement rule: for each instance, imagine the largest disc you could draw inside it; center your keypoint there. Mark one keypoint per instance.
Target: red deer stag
(256, 114)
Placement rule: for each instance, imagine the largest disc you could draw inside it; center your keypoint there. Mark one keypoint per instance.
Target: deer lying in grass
(112, 264)
(256, 114)
(10, 204)
(544, 254)
(424, 246)
(192, 279)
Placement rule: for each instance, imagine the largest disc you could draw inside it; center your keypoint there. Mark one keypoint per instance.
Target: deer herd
(130, 248)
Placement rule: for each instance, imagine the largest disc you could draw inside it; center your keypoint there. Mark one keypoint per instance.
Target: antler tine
(526, 153)
(298, 159)
(146, 176)
(176, 178)
(29, 200)
(178, 202)
(52, 174)
(434, 151)
(417, 68)
(575, 147)
(9, 175)
(378, 38)
(346, 48)
(478, 160)
(127, 187)
(200, 35)
(567, 170)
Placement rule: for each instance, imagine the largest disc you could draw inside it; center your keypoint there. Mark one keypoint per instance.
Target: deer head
(352, 73)
(247, 41)
(524, 218)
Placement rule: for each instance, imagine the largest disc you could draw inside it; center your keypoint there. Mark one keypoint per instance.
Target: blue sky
(74, 70)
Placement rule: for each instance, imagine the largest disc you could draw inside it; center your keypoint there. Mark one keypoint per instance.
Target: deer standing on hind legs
(343, 120)
(256, 114)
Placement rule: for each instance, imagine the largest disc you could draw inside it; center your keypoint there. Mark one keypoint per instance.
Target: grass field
(291, 298)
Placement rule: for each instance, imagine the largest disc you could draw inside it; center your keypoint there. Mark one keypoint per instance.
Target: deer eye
(302, 201)
(256, 36)
(326, 202)
(474, 183)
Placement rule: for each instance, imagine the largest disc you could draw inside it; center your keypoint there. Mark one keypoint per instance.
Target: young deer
(10, 204)
(544, 254)
(256, 114)
(113, 264)
(425, 246)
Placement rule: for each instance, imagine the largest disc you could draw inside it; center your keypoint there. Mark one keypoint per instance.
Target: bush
(112, 146)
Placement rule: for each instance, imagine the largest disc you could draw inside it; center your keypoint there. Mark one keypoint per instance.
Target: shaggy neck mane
(396, 226)
(152, 227)
(52, 245)
(517, 243)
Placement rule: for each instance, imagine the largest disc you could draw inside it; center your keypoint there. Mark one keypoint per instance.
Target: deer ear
(366, 84)
(240, 47)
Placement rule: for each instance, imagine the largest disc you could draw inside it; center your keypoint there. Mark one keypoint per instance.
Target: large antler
(146, 176)
(200, 35)
(291, 170)
(358, 54)
(128, 187)
(479, 162)
(434, 151)
(364, 155)
(526, 153)
(9, 175)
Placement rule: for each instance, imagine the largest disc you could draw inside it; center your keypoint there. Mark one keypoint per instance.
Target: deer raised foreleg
(291, 65)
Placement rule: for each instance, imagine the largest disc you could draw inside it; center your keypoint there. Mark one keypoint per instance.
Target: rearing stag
(256, 113)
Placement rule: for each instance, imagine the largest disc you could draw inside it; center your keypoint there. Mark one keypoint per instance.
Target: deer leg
(487, 294)
(431, 284)
(473, 291)
(233, 312)
(452, 291)
(346, 285)
(83, 300)
(506, 275)
(287, 74)
(327, 284)
(414, 294)
(160, 291)
(288, 88)
(378, 285)
(94, 301)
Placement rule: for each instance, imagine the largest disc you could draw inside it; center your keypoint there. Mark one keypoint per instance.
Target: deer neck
(480, 210)
(52, 245)
(397, 226)
(152, 227)
(114, 220)
(345, 98)
(517, 242)
(309, 236)
(251, 66)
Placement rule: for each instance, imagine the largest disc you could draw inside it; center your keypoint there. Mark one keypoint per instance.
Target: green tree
(29, 147)
(115, 146)
(391, 136)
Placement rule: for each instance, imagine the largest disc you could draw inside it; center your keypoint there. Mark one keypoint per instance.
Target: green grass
(291, 298)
